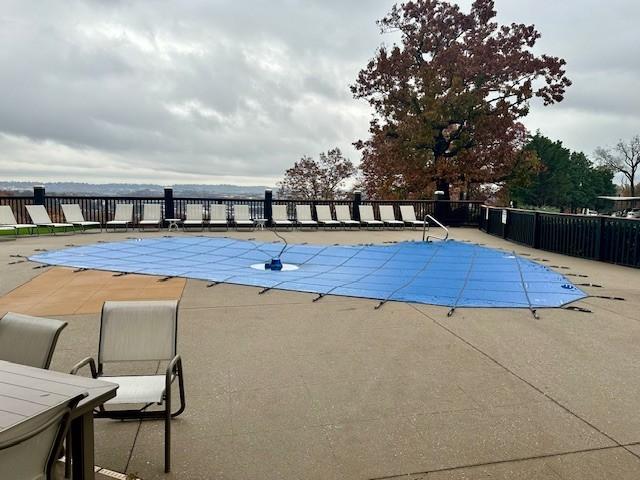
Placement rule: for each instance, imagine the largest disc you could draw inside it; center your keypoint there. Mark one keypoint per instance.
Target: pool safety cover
(451, 273)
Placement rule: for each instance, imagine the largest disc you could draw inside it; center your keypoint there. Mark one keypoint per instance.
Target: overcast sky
(222, 91)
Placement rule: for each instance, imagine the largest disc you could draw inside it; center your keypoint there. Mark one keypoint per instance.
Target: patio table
(26, 392)
(173, 224)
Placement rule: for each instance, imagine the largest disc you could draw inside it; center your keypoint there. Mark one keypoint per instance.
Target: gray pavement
(281, 387)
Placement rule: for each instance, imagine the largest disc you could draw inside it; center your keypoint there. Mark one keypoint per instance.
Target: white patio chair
(408, 214)
(323, 213)
(140, 331)
(74, 216)
(343, 215)
(218, 214)
(8, 221)
(28, 451)
(388, 216)
(241, 217)
(304, 218)
(123, 217)
(151, 216)
(40, 218)
(279, 217)
(367, 218)
(194, 216)
(29, 340)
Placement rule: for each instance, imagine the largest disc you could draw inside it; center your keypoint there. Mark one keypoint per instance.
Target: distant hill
(135, 189)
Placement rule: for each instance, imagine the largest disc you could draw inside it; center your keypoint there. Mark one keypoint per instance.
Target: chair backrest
(72, 212)
(241, 212)
(151, 211)
(343, 213)
(408, 213)
(138, 331)
(303, 212)
(124, 212)
(279, 212)
(323, 212)
(29, 340)
(219, 212)
(387, 213)
(30, 449)
(6, 215)
(38, 214)
(194, 211)
(366, 213)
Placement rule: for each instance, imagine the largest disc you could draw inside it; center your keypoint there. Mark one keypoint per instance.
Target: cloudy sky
(222, 91)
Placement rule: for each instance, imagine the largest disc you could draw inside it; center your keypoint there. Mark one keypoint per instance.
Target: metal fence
(608, 239)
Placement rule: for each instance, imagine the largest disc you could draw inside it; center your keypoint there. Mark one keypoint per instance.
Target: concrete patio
(280, 387)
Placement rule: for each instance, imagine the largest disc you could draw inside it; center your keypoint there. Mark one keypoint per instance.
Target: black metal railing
(608, 239)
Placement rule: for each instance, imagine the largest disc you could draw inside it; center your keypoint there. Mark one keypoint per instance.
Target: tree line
(447, 101)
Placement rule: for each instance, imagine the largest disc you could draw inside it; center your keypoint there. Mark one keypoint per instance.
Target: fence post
(38, 194)
(357, 200)
(268, 206)
(505, 224)
(536, 230)
(440, 207)
(169, 211)
(600, 243)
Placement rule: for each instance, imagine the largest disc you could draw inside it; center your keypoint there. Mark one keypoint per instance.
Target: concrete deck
(279, 387)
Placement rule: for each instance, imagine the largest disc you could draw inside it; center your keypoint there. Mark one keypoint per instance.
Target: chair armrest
(87, 361)
(175, 366)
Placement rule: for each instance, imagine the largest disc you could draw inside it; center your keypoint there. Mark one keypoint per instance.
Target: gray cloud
(214, 90)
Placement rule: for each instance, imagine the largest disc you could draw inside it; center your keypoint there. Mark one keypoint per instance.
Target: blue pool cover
(451, 273)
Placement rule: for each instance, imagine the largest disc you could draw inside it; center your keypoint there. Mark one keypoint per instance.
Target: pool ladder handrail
(425, 227)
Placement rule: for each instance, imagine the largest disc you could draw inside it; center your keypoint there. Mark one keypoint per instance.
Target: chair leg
(167, 433)
(67, 456)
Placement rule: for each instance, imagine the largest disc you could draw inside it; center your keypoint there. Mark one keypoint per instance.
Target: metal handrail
(425, 237)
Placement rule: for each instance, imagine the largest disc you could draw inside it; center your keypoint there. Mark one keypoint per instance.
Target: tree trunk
(443, 186)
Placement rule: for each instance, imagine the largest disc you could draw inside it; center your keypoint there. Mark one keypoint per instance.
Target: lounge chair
(8, 221)
(303, 217)
(151, 216)
(73, 215)
(40, 218)
(408, 214)
(344, 217)
(194, 216)
(31, 449)
(122, 218)
(323, 212)
(241, 217)
(367, 219)
(279, 217)
(218, 214)
(29, 340)
(388, 216)
(134, 332)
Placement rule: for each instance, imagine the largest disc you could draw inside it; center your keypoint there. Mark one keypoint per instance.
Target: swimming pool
(451, 273)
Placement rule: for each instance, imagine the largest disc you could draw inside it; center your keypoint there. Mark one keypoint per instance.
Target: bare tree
(623, 158)
(321, 179)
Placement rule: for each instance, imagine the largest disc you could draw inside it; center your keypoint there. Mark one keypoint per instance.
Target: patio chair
(408, 214)
(303, 217)
(40, 218)
(74, 216)
(218, 214)
(367, 219)
(31, 449)
(140, 331)
(194, 216)
(29, 340)
(8, 221)
(279, 217)
(343, 215)
(151, 216)
(241, 217)
(388, 216)
(122, 218)
(323, 213)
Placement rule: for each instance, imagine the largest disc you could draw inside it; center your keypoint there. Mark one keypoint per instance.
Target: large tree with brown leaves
(448, 97)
